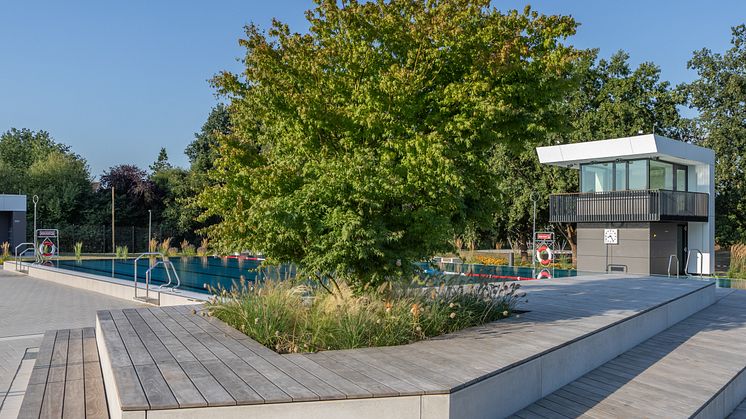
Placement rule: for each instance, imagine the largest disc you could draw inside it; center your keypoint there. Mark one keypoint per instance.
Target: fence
(97, 238)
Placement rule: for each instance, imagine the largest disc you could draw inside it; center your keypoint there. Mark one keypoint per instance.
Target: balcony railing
(631, 206)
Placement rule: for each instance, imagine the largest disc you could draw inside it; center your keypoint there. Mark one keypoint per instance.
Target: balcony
(629, 206)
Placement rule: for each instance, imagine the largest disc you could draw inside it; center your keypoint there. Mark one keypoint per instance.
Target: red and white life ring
(544, 255)
(47, 248)
(544, 274)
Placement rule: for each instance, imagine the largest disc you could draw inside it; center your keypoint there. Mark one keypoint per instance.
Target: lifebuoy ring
(544, 255)
(47, 248)
(544, 274)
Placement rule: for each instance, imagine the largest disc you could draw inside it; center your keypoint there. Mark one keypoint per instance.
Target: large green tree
(719, 94)
(364, 144)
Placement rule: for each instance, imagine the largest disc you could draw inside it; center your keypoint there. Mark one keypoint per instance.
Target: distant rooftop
(636, 147)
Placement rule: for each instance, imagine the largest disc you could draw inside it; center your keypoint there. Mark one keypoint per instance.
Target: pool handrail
(166, 264)
(689, 256)
(19, 256)
(147, 276)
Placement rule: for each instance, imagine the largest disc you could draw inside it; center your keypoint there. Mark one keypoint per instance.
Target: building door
(682, 246)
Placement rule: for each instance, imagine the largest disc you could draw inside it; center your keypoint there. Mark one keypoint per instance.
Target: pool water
(197, 273)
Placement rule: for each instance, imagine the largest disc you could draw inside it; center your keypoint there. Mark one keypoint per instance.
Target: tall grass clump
(288, 317)
(737, 267)
(202, 249)
(152, 245)
(5, 250)
(122, 252)
(187, 249)
(165, 245)
(78, 249)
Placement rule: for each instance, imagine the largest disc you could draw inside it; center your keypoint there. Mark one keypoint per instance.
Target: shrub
(122, 252)
(6, 249)
(737, 267)
(489, 260)
(78, 249)
(288, 317)
(187, 249)
(202, 249)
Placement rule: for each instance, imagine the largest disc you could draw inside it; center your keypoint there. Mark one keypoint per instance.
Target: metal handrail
(147, 276)
(19, 256)
(670, 259)
(688, 257)
(166, 264)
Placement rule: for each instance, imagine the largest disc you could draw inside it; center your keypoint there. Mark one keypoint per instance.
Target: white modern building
(12, 219)
(646, 204)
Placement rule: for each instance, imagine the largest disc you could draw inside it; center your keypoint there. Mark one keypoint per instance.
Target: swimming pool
(197, 273)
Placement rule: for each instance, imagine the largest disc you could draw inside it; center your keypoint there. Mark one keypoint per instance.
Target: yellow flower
(505, 313)
(415, 310)
(451, 305)
(453, 315)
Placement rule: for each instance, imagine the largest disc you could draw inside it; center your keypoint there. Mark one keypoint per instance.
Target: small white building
(646, 204)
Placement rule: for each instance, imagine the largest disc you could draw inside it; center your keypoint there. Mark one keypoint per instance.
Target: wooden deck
(66, 381)
(674, 374)
(170, 358)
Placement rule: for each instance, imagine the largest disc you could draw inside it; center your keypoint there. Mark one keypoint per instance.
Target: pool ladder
(169, 268)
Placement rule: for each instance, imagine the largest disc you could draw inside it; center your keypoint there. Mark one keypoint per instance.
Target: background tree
(134, 195)
(719, 94)
(32, 163)
(161, 163)
(364, 145)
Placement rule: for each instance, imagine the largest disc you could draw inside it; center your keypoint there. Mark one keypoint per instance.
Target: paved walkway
(28, 308)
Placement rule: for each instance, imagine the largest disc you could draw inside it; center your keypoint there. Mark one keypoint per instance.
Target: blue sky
(118, 80)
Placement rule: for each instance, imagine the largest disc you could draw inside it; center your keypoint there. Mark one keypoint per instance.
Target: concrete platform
(171, 362)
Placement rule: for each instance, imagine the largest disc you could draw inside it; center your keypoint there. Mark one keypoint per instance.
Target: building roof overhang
(627, 148)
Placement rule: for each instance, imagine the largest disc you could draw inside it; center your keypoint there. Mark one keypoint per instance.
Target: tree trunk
(571, 235)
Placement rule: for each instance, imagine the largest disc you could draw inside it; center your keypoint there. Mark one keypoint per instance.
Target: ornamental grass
(289, 317)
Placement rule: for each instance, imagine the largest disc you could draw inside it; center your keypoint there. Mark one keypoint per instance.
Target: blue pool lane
(196, 273)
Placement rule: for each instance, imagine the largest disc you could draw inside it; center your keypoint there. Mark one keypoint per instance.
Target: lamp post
(150, 220)
(35, 199)
(534, 198)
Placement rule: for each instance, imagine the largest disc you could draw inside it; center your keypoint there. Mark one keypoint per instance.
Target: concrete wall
(633, 250)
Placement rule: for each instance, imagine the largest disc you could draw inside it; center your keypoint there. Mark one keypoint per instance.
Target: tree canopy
(364, 144)
(719, 94)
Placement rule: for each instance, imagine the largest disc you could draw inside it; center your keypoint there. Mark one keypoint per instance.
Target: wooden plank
(238, 389)
(44, 356)
(54, 397)
(291, 387)
(259, 383)
(350, 389)
(208, 386)
(376, 388)
(423, 384)
(75, 356)
(32, 401)
(179, 352)
(324, 390)
(404, 388)
(58, 365)
(74, 404)
(181, 386)
(90, 348)
(129, 389)
(118, 356)
(157, 392)
(95, 399)
(155, 348)
(135, 348)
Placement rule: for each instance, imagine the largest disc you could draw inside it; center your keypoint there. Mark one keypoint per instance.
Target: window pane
(620, 176)
(638, 174)
(681, 179)
(661, 175)
(596, 177)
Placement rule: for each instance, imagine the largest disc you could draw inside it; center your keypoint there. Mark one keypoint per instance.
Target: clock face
(611, 236)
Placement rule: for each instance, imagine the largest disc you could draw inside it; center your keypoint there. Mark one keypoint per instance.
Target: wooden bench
(66, 381)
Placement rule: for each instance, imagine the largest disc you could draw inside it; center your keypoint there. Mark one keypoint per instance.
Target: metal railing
(670, 259)
(629, 206)
(19, 256)
(688, 258)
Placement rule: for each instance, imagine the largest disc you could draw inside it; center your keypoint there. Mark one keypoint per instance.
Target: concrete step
(695, 368)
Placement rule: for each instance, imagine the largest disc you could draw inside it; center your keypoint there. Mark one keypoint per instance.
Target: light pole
(150, 220)
(36, 201)
(534, 198)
